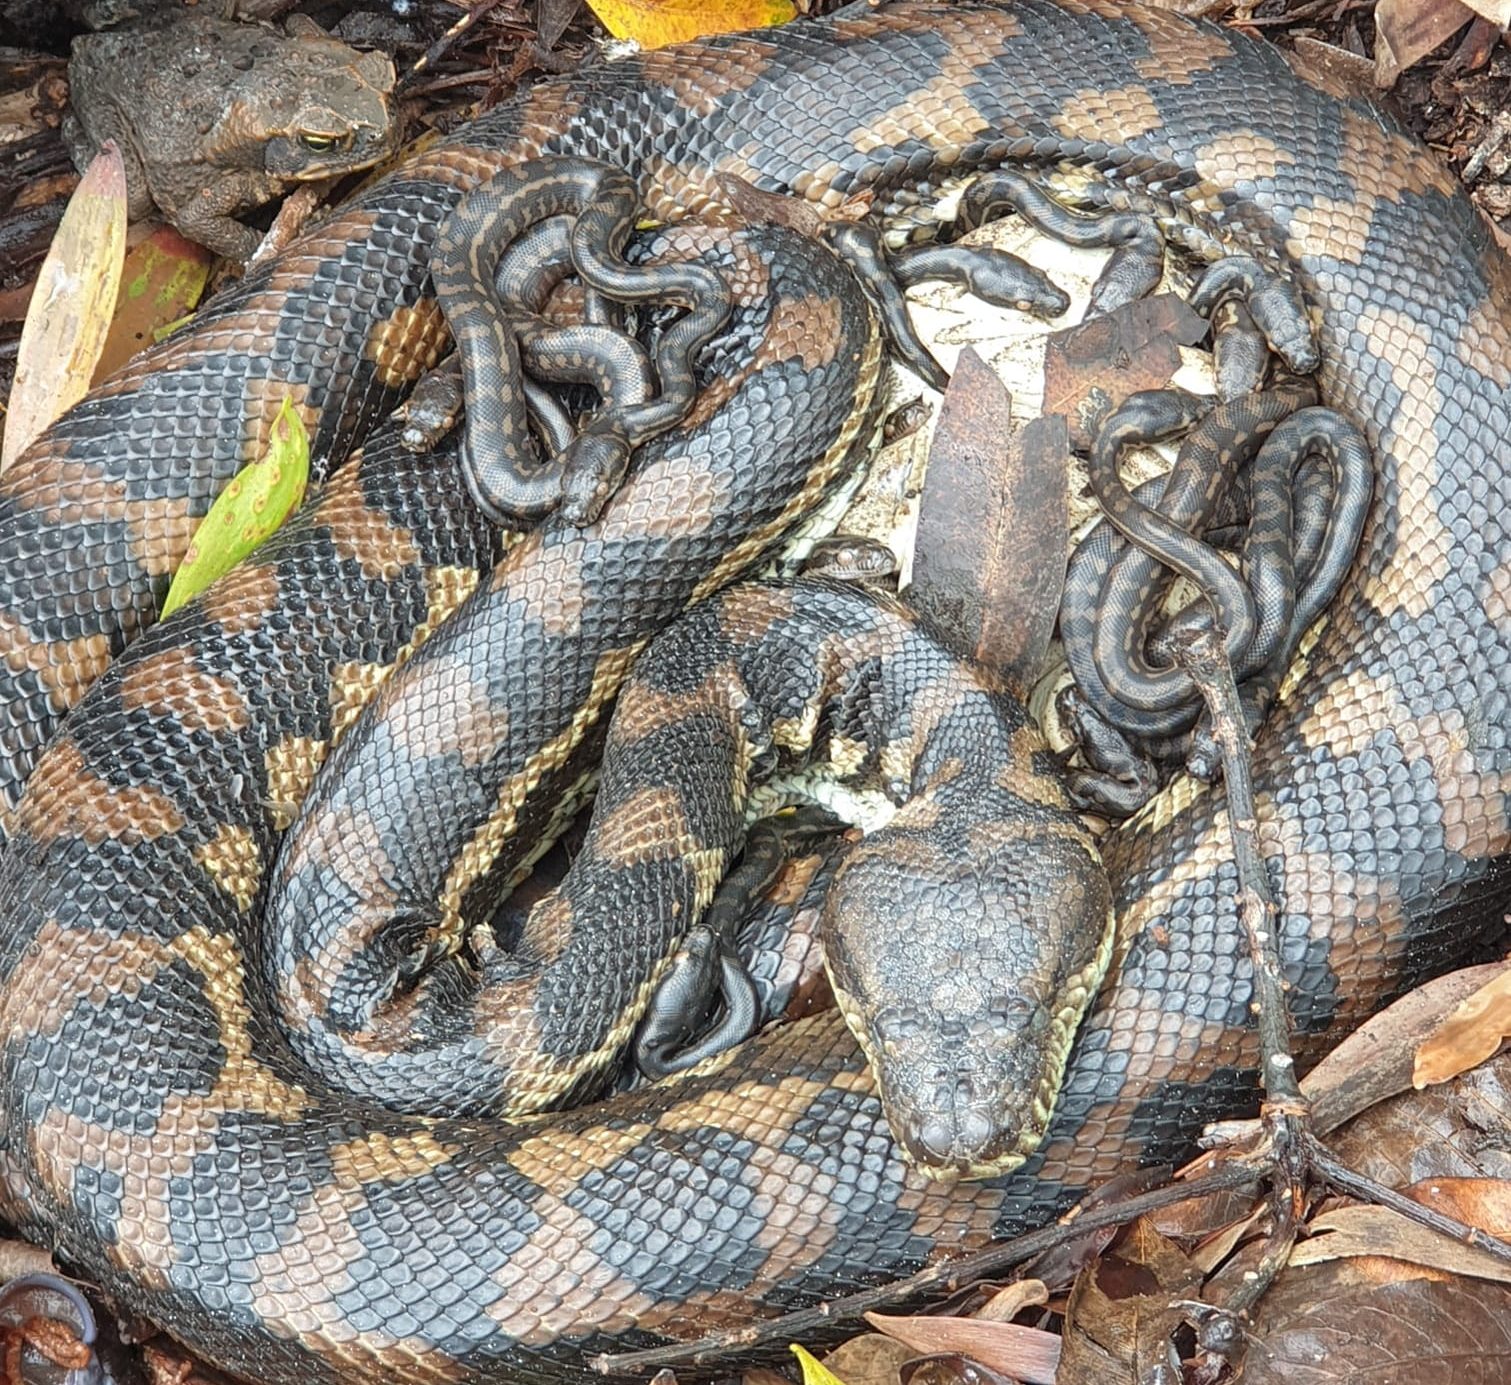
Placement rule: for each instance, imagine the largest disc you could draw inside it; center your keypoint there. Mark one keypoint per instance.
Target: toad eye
(320, 144)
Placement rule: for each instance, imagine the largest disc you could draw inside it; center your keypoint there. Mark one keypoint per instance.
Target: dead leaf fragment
(1120, 1317)
(162, 280)
(869, 1359)
(71, 306)
(551, 20)
(1371, 1064)
(1089, 369)
(1406, 31)
(1381, 1322)
(1217, 1247)
(763, 208)
(1498, 12)
(1484, 1203)
(763, 1375)
(951, 1368)
(1457, 1129)
(1059, 1266)
(1472, 1033)
(1026, 1353)
(1333, 68)
(993, 520)
(1375, 1062)
(1378, 1231)
(1006, 1304)
(656, 23)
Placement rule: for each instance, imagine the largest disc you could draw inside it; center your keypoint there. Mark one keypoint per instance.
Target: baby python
(358, 1250)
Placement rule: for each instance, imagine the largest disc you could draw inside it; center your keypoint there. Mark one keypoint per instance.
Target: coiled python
(1113, 590)
(352, 1251)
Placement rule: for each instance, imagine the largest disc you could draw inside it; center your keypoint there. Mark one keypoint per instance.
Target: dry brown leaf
(1333, 68)
(993, 585)
(1089, 369)
(1406, 31)
(1198, 1218)
(1025, 1352)
(1373, 1062)
(763, 1375)
(1006, 1304)
(1382, 1322)
(1497, 12)
(551, 20)
(1219, 1245)
(761, 207)
(1457, 1129)
(1364, 1230)
(1059, 1266)
(71, 307)
(1120, 1317)
(1484, 1203)
(656, 23)
(951, 1368)
(1470, 1034)
(869, 1359)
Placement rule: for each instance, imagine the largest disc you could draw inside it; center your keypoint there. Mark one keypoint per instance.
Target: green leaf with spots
(260, 497)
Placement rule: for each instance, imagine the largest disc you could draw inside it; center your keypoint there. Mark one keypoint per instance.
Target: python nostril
(958, 1131)
(936, 1139)
(974, 1132)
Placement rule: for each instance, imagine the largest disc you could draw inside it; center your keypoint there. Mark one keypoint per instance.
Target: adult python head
(963, 961)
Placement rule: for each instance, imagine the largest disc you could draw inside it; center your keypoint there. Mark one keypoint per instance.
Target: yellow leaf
(656, 23)
(71, 305)
(259, 498)
(815, 1372)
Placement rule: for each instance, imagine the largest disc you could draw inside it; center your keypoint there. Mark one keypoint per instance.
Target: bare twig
(1295, 1156)
(443, 45)
(1488, 147)
(1343, 1179)
(1201, 653)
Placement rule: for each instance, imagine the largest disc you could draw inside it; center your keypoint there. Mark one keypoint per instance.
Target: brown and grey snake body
(153, 1134)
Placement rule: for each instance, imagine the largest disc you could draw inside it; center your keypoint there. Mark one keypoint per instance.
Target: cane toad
(215, 118)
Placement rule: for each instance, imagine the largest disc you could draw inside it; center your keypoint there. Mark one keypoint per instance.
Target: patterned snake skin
(152, 1133)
